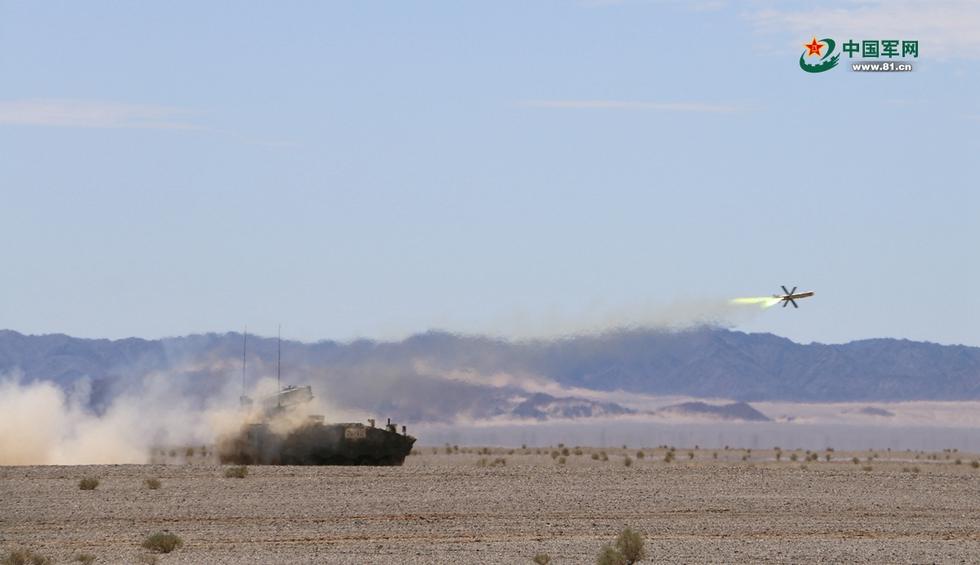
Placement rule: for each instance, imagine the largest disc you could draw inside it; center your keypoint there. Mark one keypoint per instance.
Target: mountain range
(439, 376)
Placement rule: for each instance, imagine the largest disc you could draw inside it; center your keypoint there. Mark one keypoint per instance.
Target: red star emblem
(814, 47)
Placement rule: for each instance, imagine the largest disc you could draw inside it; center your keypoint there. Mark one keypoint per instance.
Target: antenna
(279, 366)
(244, 345)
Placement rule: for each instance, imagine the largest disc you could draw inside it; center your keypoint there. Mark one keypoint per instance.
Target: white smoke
(598, 318)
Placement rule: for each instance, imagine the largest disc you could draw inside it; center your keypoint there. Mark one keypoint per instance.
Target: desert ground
(492, 505)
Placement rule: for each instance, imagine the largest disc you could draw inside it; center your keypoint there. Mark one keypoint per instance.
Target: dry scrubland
(474, 505)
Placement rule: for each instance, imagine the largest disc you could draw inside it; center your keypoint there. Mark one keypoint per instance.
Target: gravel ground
(447, 508)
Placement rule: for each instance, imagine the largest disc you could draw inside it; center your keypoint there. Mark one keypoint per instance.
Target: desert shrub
(482, 462)
(173, 453)
(189, 452)
(449, 450)
(627, 550)
(162, 542)
(84, 558)
(779, 455)
(640, 455)
(827, 457)
(866, 468)
(498, 462)
(746, 457)
(542, 559)
(565, 452)
(88, 483)
(958, 461)
(915, 469)
(975, 464)
(603, 456)
(628, 462)
(561, 460)
(25, 557)
(793, 457)
(578, 451)
(714, 455)
(668, 457)
(510, 452)
(609, 555)
(595, 456)
(855, 460)
(152, 483)
(237, 472)
(690, 456)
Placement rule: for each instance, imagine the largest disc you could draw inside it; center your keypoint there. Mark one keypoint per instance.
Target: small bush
(640, 455)
(25, 557)
(855, 460)
(595, 456)
(628, 462)
(555, 454)
(793, 457)
(189, 452)
(561, 460)
(627, 550)
(542, 559)
(498, 462)
(827, 457)
(578, 451)
(603, 456)
(88, 483)
(565, 452)
(958, 461)
(162, 542)
(668, 457)
(152, 483)
(690, 456)
(866, 468)
(85, 558)
(975, 464)
(239, 472)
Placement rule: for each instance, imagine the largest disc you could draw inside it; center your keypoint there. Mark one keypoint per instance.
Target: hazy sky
(379, 168)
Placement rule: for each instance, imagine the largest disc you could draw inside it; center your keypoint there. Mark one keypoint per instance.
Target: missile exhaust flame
(760, 301)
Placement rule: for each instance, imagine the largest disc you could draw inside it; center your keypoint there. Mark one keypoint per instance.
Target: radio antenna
(244, 346)
(279, 366)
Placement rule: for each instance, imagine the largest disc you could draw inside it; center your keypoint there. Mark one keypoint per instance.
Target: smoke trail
(760, 301)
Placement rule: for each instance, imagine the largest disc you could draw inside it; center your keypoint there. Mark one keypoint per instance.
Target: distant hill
(736, 411)
(440, 376)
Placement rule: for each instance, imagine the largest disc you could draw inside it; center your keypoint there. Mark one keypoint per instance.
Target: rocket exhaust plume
(760, 301)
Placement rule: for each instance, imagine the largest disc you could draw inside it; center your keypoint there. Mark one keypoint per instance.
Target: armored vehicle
(276, 435)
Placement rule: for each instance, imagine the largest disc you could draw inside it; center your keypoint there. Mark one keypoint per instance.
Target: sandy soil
(449, 508)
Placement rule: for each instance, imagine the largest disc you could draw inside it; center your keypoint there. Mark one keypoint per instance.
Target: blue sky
(375, 169)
